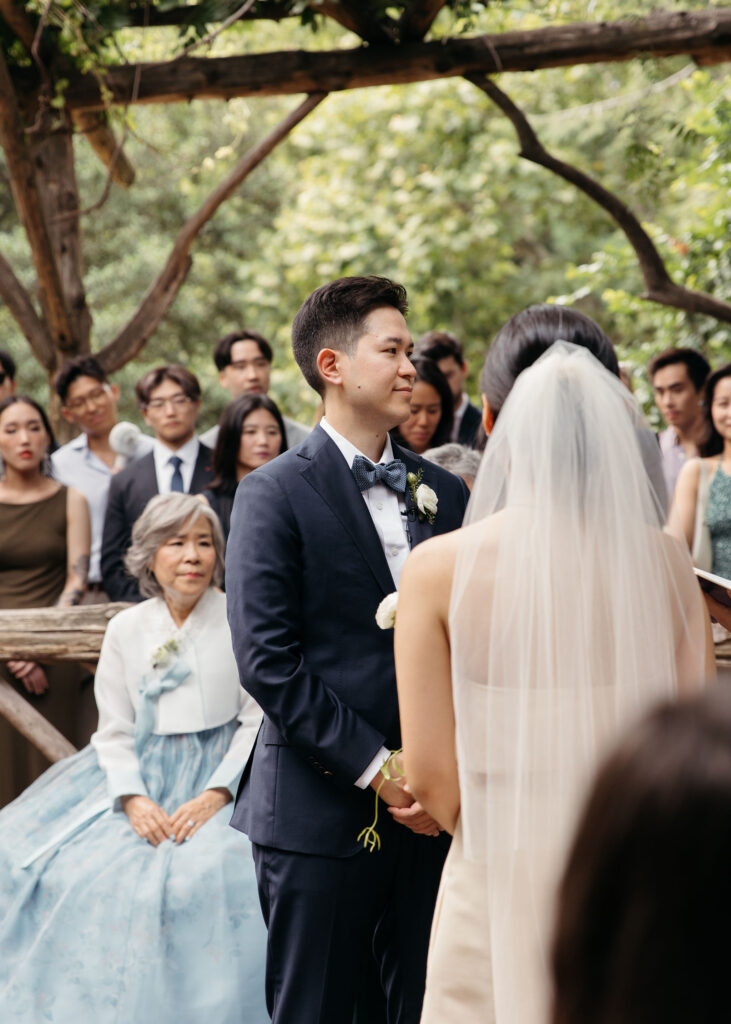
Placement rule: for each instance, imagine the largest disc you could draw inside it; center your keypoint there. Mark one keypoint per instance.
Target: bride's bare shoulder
(434, 560)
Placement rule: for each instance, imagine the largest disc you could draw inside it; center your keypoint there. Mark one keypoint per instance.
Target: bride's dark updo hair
(527, 335)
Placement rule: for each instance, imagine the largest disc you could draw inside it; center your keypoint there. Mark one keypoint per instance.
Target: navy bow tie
(392, 474)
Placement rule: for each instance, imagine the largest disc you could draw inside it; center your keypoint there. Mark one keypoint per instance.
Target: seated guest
(89, 402)
(127, 897)
(677, 376)
(251, 433)
(7, 374)
(170, 398)
(446, 351)
(644, 903)
(430, 422)
(244, 363)
(458, 459)
(44, 556)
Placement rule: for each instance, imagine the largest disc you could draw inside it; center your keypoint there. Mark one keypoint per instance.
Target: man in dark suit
(318, 539)
(446, 351)
(170, 397)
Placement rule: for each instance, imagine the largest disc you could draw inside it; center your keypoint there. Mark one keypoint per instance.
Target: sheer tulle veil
(571, 612)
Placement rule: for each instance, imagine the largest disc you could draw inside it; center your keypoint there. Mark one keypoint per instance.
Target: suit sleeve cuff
(373, 769)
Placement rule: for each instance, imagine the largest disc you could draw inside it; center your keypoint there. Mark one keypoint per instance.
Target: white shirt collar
(348, 450)
(188, 453)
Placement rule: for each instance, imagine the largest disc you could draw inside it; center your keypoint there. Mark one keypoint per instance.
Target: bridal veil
(571, 613)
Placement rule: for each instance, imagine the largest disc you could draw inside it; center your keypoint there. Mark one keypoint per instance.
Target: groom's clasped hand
(402, 807)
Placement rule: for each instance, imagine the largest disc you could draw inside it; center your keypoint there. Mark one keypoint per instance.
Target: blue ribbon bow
(150, 690)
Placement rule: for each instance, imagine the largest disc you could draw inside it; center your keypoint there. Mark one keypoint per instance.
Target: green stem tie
(369, 836)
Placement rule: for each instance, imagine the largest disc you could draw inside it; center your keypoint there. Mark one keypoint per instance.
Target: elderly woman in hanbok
(125, 895)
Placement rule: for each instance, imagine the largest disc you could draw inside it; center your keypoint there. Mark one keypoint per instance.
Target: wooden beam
(418, 18)
(703, 35)
(31, 723)
(55, 634)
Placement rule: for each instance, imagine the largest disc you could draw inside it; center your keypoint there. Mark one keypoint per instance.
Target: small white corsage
(386, 611)
(423, 498)
(162, 654)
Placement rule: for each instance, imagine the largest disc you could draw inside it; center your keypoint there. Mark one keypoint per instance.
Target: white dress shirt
(76, 465)
(164, 469)
(210, 696)
(386, 510)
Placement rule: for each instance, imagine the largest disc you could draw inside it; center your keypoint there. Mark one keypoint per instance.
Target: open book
(716, 586)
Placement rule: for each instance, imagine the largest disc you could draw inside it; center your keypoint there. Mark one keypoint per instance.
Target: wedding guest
(701, 511)
(458, 459)
(88, 462)
(251, 434)
(126, 895)
(7, 374)
(644, 902)
(44, 558)
(430, 421)
(524, 644)
(446, 351)
(170, 398)
(677, 376)
(244, 363)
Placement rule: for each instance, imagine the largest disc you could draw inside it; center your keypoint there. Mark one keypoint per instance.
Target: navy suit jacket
(129, 492)
(305, 573)
(469, 425)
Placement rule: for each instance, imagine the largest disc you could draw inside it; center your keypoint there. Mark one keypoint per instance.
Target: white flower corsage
(386, 611)
(162, 654)
(424, 499)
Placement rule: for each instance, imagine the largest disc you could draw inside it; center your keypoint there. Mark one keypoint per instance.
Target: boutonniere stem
(423, 499)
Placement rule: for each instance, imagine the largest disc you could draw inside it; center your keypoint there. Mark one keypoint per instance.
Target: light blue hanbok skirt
(98, 926)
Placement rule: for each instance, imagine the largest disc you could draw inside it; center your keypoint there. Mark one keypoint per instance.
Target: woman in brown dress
(44, 558)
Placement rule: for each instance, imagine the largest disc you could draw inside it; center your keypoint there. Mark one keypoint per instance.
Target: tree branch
(21, 308)
(704, 35)
(659, 285)
(18, 22)
(94, 126)
(160, 297)
(418, 18)
(30, 210)
(351, 15)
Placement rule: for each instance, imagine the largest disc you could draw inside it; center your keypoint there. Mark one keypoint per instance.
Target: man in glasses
(244, 363)
(170, 398)
(7, 374)
(89, 402)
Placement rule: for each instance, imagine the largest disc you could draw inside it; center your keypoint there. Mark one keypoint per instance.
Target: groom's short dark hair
(334, 316)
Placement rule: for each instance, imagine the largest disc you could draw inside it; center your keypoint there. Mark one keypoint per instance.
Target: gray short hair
(457, 458)
(163, 517)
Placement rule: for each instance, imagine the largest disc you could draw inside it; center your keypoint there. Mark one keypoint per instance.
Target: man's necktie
(392, 474)
(176, 483)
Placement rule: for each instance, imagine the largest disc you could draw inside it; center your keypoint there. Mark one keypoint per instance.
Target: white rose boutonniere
(386, 611)
(423, 499)
(162, 654)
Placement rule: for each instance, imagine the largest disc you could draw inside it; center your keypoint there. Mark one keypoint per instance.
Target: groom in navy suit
(318, 538)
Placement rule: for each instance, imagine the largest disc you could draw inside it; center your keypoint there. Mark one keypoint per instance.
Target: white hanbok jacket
(210, 696)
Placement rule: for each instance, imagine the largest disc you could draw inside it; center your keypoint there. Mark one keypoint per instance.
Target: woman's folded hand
(147, 818)
(189, 817)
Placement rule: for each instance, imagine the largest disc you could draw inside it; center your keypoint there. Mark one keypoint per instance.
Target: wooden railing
(49, 635)
(76, 634)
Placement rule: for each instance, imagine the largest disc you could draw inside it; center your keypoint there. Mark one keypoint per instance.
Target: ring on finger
(190, 823)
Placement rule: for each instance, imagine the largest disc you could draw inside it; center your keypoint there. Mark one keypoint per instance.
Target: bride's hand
(417, 819)
(189, 817)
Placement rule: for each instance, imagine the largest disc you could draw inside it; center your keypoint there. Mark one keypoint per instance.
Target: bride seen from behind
(526, 641)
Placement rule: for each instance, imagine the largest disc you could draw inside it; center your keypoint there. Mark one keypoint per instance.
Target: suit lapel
(418, 530)
(202, 472)
(328, 473)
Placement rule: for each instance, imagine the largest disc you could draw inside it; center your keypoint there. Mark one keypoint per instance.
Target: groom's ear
(488, 420)
(328, 365)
